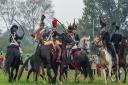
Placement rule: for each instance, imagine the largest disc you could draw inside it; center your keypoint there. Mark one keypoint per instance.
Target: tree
(109, 10)
(27, 13)
(31, 10)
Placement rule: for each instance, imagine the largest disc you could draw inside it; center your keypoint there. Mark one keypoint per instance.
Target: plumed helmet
(43, 17)
(71, 28)
(42, 20)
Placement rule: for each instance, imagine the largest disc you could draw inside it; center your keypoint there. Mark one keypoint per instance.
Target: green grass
(97, 81)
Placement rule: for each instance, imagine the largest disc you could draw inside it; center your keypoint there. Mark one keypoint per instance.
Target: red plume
(55, 22)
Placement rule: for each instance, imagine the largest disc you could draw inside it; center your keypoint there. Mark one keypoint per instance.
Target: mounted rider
(105, 36)
(116, 37)
(77, 38)
(72, 32)
(39, 32)
(56, 35)
(14, 37)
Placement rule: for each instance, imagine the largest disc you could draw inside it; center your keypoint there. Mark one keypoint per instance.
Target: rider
(72, 32)
(105, 36)
(56, 35)
(116, 37)
(41, 26)
(15, 39)
(77, 38)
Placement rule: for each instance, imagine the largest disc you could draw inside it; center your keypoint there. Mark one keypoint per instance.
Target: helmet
(14, 28)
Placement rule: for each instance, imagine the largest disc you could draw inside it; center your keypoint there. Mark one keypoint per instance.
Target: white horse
(105, 58)
(85, 43)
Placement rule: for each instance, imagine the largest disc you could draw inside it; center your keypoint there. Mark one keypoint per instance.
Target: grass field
(97, 81)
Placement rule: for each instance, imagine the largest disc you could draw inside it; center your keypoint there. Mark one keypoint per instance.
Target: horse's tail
(22, 68)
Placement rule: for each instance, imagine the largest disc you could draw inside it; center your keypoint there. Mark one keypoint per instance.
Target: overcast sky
(67, 10)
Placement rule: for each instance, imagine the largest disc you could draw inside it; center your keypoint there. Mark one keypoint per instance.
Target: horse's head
(97, 41)
(85, 43)
(66, 38)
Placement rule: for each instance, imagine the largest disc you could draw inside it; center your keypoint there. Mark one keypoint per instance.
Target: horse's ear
(32, 35)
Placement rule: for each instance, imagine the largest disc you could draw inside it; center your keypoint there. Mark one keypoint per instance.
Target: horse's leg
(29, 73)
(66, 74)
(43, 76)
(36, 76)
(17, 68)
(125, 70)
(12, 78)
(61, 72)
(55, 69)
(77, 75)
(105, 77)
(48, 66)
(9, 73)
(110, 71)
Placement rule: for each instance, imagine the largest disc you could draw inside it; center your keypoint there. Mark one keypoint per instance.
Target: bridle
(97, 43)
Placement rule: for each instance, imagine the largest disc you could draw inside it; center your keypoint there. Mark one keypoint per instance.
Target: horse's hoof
(124, 81)
(44, 82)
(27, 80)
(36, 82)
(61, 82)
(11, 81)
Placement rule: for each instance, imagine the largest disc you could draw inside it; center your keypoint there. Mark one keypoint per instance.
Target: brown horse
(121, 55)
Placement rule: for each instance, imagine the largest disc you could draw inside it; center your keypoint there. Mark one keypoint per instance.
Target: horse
(104, 57)
(44, 55)
(12, 62)
(79, 59)
(29, 66)
(122, 56)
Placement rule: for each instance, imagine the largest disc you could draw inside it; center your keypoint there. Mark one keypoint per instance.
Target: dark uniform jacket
(77, 39)
(16, 37)
(105, 36)
(116, 39)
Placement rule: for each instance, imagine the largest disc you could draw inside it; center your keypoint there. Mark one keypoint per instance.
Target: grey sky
(67, 10)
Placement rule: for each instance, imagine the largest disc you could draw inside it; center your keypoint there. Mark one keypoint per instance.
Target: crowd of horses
(76, 59)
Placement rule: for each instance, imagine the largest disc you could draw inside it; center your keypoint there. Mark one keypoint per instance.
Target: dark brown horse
(122, 56)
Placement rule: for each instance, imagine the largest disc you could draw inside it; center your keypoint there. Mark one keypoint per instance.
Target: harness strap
(14, 42)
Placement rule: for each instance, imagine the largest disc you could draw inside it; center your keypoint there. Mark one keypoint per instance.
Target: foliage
(109, 10)
(27, 12)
